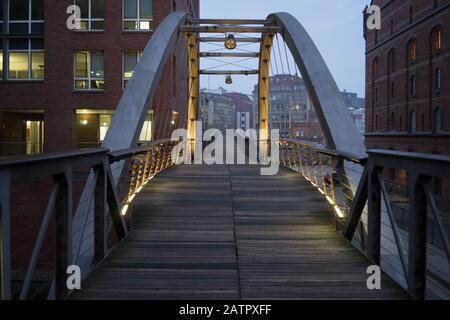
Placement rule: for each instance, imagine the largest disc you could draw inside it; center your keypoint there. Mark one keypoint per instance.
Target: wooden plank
(225, 232)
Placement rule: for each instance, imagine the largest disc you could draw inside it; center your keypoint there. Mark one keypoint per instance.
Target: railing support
(100, 205)
(63, 219)
(417, 237)
(374, 218)
(5, 263)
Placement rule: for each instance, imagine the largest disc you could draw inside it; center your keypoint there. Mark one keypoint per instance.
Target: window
(26, 59)
(92, 14)
(438, 120)
(413, 86)
(412, 120)
(137, 15)
(26, 16)
(412, 50)
(89, 70)
(437, 40)
(437, 79)
(130, 60)
(1, 61)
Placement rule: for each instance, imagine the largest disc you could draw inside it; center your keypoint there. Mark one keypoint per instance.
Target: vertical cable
(279, 52)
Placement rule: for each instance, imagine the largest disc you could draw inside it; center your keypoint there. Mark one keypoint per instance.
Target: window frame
(30, 21)
(30, 52)
(138, 19)
(89, 20)
(89, 78)
(139, 55)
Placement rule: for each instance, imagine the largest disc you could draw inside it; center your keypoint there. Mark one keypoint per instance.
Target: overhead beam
(229, 54)
(229, 29)
(229, 21)
(229, 72)
(218, 39)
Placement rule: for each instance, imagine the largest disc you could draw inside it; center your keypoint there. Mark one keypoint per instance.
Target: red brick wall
(425, 17)
(55, 95)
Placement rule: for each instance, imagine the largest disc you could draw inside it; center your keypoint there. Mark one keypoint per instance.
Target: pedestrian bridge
(132, 225)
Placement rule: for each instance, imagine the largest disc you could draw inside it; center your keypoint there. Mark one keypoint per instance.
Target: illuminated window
(146, 133)
(92, 14)
(26, 60)
(438, 39)
(130, 60)
(89, 70)
(105, 122)
(137, 15)
(26, 16)
(412, 50)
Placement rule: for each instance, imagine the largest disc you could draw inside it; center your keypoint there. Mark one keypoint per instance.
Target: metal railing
(356, 189)
(110, 201)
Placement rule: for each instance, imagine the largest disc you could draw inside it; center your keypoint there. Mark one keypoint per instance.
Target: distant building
(290, 109)
(217, 111)
(356, 105)
(244, 110)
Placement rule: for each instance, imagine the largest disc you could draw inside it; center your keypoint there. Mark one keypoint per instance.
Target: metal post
(417, 238)
(5, 253)
(63, 219)
(374, 219)
(100, 234)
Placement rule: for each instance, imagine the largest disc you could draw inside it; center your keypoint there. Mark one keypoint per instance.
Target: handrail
(105, 197)
(330, 152)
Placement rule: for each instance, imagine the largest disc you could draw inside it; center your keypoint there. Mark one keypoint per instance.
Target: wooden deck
(225, 232)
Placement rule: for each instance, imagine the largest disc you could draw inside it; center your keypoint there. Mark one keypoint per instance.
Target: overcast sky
(335, 26)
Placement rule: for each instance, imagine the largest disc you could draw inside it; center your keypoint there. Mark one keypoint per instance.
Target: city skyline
(344, 54)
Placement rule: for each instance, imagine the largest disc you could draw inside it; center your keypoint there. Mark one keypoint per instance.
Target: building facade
(244, 110)
(59, 87)
(290, 109)
(357, 106)
(408, 72)
(217, 110)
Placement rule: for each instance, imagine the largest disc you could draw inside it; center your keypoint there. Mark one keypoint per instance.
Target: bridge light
(230, 42)
(228, 80)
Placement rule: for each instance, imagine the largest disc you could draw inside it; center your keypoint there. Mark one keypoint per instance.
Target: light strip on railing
(338, 211)
(125, 209)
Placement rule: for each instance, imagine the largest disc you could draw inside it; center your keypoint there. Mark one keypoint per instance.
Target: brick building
(407, 79)
(59, 87)
(217, 110)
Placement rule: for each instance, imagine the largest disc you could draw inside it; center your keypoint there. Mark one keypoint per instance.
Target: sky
(335, 26)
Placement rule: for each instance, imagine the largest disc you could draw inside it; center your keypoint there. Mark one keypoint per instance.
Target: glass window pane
(97, 67)
(18, 10)
(130, 25)
(97, 84)
(81, 64)
(97, 9)
(84, 25)
(84, 7)
(81, 84)
(1, 65)
(130, 9)
(96, 25)
(1, 10)
(105, 122)
(145, 25)
(18, 65)
(145, 9)
(37, 44)
(18, 44)
(37, 10)
(18, 28)
(130, 61)
(37, 27)
(37, 65)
